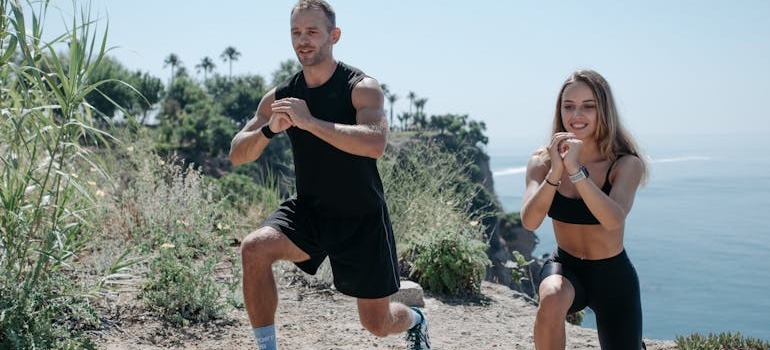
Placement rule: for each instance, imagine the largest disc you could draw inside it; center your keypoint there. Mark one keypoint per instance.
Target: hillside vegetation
(113, 184)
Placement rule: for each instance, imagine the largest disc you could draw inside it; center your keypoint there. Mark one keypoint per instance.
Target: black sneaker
(417, 336)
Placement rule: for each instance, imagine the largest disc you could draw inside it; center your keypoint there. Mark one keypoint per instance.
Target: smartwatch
(580, 175)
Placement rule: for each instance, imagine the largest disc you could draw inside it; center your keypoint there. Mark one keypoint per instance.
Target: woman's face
(579, 110)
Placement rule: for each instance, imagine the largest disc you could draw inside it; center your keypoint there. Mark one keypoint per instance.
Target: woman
(585, 180)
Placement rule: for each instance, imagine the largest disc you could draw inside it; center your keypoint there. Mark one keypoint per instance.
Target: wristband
(267, 132)
(551, 183)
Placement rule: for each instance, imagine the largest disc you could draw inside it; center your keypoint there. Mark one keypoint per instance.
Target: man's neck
(318, 74)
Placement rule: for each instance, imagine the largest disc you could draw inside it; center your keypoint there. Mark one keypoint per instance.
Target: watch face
(580, 175)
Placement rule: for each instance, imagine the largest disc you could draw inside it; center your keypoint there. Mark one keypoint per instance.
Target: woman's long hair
(612, 137)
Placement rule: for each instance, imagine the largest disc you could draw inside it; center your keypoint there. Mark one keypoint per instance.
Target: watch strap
(580, 175)
(267, 132)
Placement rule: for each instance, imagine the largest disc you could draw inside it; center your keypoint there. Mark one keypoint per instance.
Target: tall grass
(44, 124)
(440, 239)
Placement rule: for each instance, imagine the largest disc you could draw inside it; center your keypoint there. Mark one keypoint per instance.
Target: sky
(675, 67)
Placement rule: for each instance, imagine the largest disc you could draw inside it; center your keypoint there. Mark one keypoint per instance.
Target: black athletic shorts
(361, 250)
(610, 287)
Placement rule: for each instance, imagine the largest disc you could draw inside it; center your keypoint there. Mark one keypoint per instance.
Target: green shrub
(721, 341)
(520, 269)
(173, 219)
(577, 317)
(182, 289)
(450, 263)
(243, 193)
(440, 239)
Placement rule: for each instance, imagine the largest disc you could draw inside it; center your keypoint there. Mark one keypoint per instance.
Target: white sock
(265, 337)
(416, 318)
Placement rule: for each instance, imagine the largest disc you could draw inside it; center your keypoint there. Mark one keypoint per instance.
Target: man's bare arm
(367, 137)
(248, 144)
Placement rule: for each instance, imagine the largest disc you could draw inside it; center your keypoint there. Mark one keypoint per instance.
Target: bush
(181, 229)
(243, 193)
(182, 289)
(721, 341)
(450, 263)
(440, 239)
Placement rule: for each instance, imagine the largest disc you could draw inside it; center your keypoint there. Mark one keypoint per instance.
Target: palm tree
(206, 65)
(229, 55)
(173, 61)
(419, 104)
(419, 117)
(392, 99)
(411, 96)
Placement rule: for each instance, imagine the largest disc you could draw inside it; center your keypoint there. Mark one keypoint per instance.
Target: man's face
(311, 36)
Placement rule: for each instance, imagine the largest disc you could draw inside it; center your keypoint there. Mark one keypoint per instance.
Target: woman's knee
(556, 297)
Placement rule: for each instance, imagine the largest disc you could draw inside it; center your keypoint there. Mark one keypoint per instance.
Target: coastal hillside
(313, 318)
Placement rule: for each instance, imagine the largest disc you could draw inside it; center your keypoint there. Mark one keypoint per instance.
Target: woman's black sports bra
(575, 211)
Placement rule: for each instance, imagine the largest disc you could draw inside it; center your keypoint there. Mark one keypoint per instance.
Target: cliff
(504, 232)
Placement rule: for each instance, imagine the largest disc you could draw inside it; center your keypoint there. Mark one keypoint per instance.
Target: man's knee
(377, 315)
(378, 327)
(259, 245)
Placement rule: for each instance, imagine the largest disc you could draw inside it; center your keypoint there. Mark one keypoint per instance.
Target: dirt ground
(310, 318)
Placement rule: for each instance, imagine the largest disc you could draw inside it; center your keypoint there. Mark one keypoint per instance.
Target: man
(334, 117)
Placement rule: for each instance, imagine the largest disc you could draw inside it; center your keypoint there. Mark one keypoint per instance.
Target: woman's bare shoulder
(539, 160)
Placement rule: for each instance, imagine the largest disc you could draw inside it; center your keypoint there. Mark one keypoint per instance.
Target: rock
(510, 236)
(410, 294)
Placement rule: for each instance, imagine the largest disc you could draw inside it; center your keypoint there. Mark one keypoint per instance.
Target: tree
(411, 96)
(173, 61)
(239, 96)
(474, 133)
(114, 93)
(402, 118)
(228, 56)
(182, 93)
(285, 71)
(151, 88)
(419, 115)
(206, 65)
(392, 99)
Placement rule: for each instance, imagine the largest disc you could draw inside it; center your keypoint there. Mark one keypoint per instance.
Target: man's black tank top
(575, 210)
(330, 181)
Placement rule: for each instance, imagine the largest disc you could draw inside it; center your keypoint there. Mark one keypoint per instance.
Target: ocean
(697, 234)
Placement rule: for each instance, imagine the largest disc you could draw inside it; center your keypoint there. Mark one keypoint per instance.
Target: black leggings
(610, 287)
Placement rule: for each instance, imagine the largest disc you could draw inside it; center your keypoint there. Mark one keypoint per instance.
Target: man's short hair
(317, 5)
